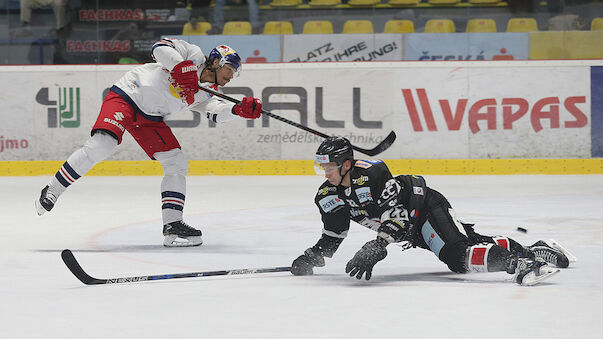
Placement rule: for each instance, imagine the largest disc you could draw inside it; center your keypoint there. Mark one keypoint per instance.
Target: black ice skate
(529, 272)
(549, 254)
(46, 201)
(179, 234)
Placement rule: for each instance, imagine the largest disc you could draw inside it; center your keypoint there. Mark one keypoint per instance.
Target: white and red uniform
(138, 103)
(150, 88)
(146, 95)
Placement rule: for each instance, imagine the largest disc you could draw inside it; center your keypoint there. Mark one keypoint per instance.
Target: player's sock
(96, 149)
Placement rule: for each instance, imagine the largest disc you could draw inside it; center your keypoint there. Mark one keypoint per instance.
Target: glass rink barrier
(113, 32)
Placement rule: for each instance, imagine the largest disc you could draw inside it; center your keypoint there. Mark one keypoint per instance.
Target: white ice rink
(113, 225)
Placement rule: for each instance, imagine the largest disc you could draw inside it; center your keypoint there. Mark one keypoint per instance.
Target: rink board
(457, 111)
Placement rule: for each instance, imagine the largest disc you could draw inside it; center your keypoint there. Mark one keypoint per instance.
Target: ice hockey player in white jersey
(138, 103)
(404, 209)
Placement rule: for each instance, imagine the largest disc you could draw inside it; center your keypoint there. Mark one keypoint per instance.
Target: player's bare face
(225, 74)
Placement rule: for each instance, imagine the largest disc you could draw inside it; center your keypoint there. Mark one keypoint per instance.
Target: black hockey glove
(304, 263)
(365, 259)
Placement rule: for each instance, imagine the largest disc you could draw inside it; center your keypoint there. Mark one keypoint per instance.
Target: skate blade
(176, 241)
(557, 246)
(39, 208)
(532, 279)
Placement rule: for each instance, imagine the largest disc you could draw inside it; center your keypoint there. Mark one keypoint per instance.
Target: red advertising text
(486, 109)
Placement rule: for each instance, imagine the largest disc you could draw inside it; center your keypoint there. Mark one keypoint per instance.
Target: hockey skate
(552, 252)
(529, 272)
(46, 201)
(179, 234)
(549, 254)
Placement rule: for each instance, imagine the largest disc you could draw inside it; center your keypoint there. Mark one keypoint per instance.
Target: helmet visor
(323, 165)
(233, 61)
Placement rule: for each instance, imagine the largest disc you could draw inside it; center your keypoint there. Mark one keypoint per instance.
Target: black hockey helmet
(334, 149)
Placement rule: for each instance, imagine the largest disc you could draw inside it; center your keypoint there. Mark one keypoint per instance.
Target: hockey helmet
(226, 55)
(334, 149)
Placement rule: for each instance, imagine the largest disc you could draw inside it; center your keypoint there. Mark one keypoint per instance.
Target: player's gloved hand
(365, 259)
(304, 263)
(185, 75)
(250, 108)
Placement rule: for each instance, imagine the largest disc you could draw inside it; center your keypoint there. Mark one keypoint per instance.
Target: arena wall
(481, 117)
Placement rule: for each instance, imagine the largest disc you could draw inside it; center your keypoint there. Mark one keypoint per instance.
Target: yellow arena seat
(357, 27)
(324, 3)
(278, 27)
(200, 29)
(403, 2)
(481, 26)
(443, 2)
(439, 26)
(285, 3)
(237, 28)
(363, 3)
(522, 25)
(399, 26)
(596, 24)
(318, 27)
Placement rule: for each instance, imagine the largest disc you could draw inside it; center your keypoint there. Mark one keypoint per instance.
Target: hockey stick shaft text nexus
(77, 270)
(382, 146)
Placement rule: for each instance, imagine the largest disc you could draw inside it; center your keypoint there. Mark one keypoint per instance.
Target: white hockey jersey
(148, 86)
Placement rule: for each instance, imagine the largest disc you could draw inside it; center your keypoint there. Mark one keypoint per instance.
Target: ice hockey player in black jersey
(405, 209)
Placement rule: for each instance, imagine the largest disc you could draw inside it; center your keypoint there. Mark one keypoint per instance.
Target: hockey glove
(304, 263)
(249, 108)
(365, 259)
(185, 75)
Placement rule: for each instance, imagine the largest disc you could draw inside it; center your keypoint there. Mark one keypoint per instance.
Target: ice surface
(113, 225)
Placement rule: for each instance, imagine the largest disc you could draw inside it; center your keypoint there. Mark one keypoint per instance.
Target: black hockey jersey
(375, 200)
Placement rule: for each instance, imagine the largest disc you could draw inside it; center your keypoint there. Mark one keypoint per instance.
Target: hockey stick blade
(76, 269)
(383, 145)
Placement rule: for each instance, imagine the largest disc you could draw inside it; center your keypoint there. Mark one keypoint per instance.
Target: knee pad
(502, 242)
(99, 147)
(454, 256)
(173, 162)
(487, 258)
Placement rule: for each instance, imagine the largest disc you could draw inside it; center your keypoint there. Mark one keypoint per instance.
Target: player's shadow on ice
(440, 277)
(209, 249)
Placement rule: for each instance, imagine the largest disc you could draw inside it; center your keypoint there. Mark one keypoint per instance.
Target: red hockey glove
(188, 96)
(250, 108)
(185, 76)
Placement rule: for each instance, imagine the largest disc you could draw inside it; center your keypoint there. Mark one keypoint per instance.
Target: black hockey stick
(77, 270)
(382, 146)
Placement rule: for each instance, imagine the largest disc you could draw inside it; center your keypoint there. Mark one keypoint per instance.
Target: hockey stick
(79, 273)
(382, 146)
